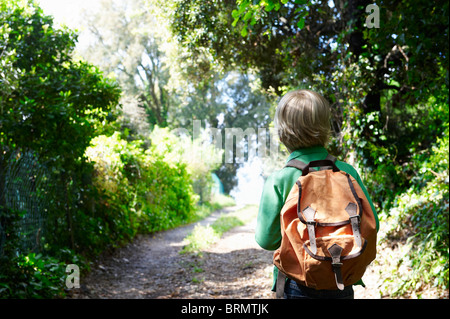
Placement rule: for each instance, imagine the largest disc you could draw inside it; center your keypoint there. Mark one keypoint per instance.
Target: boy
(303, 122)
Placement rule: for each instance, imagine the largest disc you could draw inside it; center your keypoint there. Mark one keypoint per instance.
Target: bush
(33, 276)
(30, 274)
(420, 222)
(140, 191)
(51, 106)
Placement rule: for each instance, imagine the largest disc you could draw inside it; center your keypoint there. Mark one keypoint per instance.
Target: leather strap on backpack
(355, 221)
(335, 252)
(327, 163)
(309, 213)
(297, 164)
(281, 281)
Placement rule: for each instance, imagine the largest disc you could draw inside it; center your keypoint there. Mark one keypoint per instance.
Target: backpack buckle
(335, 251)
(358, 219)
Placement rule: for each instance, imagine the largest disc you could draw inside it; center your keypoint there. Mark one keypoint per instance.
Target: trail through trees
(152, 267)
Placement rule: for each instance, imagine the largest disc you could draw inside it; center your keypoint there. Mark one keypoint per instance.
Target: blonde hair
(302, 119)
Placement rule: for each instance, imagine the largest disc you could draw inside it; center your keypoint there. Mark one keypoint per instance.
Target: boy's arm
(370, 201)
(267, 233)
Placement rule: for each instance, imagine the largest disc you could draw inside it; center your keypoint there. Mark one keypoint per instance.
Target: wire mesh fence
(25, 185)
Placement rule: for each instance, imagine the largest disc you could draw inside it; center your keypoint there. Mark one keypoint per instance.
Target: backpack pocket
(327, 271)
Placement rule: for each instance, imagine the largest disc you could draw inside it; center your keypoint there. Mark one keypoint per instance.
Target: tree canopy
(387, 85)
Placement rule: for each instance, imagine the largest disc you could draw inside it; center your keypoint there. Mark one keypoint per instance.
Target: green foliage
(420, 219)
(54, 108)
(57, 108)
(33, 276)
(196, 152)
(390, 155)
(50, 106)
(145, 192)
(56, 101)
(200, 238)
(252, 12)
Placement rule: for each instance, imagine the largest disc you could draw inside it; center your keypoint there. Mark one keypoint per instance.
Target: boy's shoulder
(343, 166)
(283, 179)
(279, 176)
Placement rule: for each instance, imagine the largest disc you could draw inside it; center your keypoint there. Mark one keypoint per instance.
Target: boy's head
(302, 119)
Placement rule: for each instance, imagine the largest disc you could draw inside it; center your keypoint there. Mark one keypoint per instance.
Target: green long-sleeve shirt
(276, 190)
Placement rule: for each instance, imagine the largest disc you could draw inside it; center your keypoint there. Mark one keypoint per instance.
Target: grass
(217, 201)
(204, 236)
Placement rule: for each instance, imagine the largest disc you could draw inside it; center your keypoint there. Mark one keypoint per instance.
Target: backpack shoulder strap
(301, 165)
(331, 158)
(297, 164)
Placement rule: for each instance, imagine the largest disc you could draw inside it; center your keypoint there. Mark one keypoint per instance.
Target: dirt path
(152, 267)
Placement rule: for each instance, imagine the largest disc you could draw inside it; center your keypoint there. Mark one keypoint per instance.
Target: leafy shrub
(200, 157)
(145, 192)
(51, 106)
(33, 276)
(420, 222)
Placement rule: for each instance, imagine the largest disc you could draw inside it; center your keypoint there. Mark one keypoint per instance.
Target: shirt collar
(306, 151)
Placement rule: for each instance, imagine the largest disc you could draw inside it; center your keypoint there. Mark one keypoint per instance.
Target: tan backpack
(328, 229)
